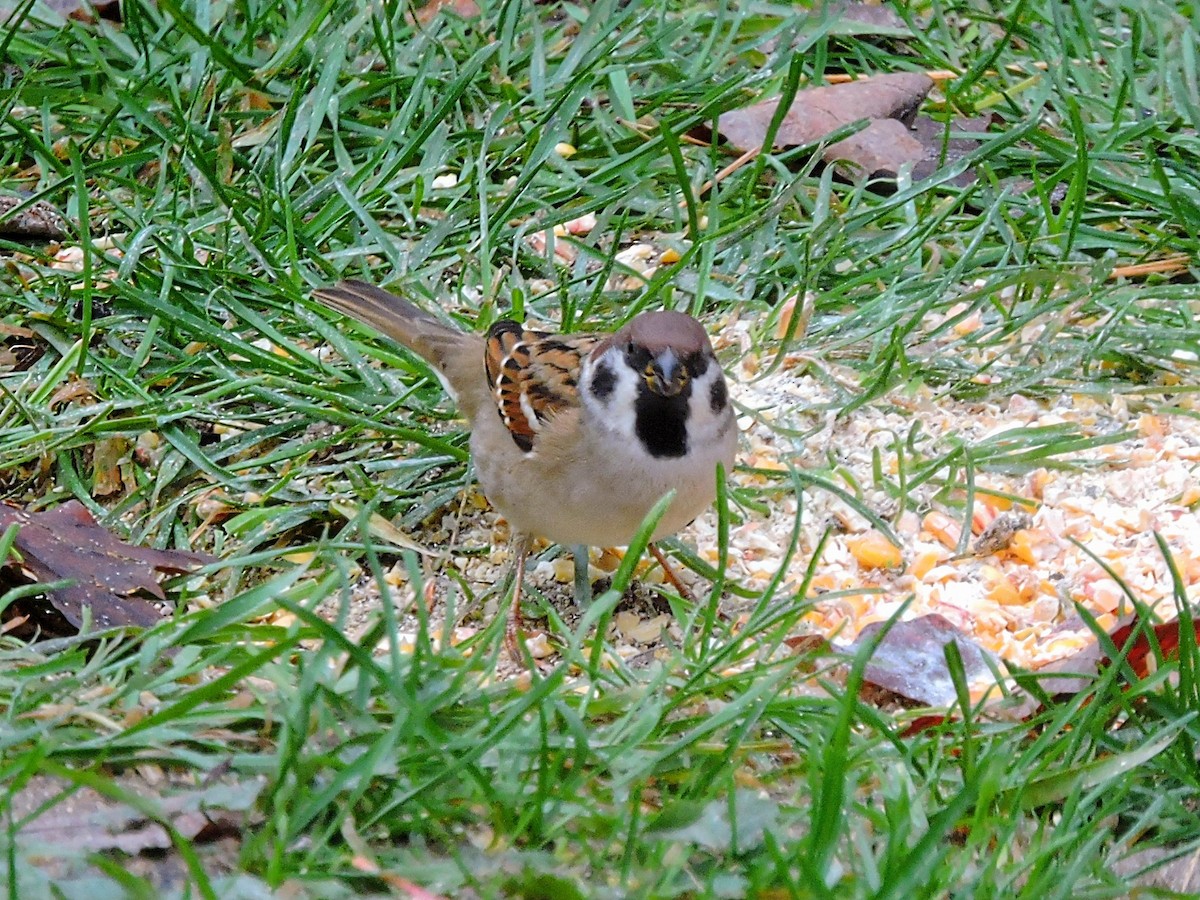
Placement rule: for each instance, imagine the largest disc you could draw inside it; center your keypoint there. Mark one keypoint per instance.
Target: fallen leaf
(807, 643)
(1166, 634)
(62, 822)
(84, 819)
(75, 390)
(819, 111)
(258, 134)
(102, 572)
(15, 331)
(1170, 265)
(910, 662)
(1165, 868)
(878, 151)
(845, 18)
(893, 138)
(19, 348)
(1066, 677)
(107, 458)
(38, 220)
(944, 144)
(467, 9)
(79, 10)
(923, 723)
(911, 659)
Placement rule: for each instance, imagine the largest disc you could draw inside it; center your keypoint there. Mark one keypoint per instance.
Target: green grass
(240, 154)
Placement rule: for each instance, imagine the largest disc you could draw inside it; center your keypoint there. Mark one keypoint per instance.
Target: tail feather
(383, 311)
(456, 355)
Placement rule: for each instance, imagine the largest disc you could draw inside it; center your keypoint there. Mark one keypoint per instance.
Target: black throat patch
(661, 422)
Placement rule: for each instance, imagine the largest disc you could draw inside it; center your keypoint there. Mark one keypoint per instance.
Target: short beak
(667, 374)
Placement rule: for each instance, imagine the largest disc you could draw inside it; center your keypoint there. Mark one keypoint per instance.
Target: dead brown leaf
(819, 111)
(15, 331)
(878, 151)
(467, 9)
(853, 18)
(83, 818)
(1163, 868)
(19, 348)
(944, 146)
(79, 10)
(1141, 654)
(923, 723)
(1170, 265)
(61, 824)
(910, 662)
(74, 390)
(911, 659)
(1070, 676)
(107, 459)
(845, 18)
(104, 573)
(893, 138)
(37, 221)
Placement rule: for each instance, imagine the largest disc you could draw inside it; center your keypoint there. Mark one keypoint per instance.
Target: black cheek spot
(604, 381)
(718, 396)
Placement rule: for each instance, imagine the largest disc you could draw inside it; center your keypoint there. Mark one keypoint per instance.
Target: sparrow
(575, 437)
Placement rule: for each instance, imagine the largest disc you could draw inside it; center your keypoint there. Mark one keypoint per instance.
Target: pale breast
(580, 486)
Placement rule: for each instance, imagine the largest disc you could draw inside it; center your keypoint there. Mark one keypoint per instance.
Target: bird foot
(583, 583)
(514, 643)
(669, 574)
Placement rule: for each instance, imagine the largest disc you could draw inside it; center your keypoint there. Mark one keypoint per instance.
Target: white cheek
(615, 412)
(704, 422)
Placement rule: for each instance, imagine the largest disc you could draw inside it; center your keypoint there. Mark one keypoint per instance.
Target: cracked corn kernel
(874, 551)
(924, 563)
(1023, 546)
(1001, 590)
(943, 529)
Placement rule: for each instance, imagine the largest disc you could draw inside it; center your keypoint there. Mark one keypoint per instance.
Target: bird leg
(583, 584)
(669, 573)
(512, 627)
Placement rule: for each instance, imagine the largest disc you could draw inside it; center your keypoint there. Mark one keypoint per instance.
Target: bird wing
(533, 376)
